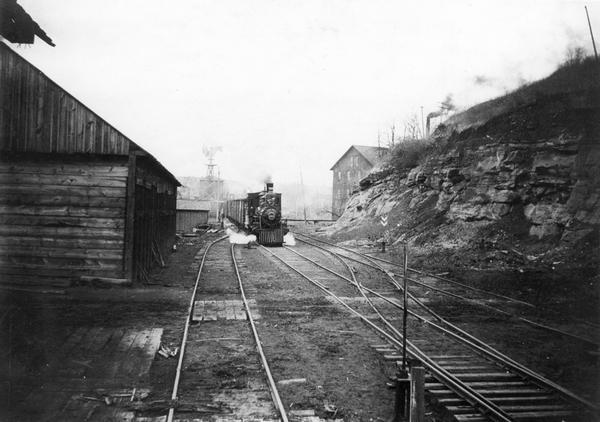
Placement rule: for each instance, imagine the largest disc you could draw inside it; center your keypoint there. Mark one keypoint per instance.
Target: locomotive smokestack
(269, 187)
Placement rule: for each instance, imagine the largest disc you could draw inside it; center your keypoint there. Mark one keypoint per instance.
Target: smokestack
(429, 116)
(269, 187)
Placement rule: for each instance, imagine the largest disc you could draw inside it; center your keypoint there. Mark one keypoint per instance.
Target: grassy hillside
(575, 79)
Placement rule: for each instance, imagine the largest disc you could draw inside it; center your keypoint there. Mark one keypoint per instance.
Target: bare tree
(574, 55)
(412, 128)
(392, 138)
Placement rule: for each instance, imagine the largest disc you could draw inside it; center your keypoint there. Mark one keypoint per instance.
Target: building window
(339, 174)
(348, 174)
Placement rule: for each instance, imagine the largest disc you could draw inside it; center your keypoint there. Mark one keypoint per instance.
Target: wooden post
(591, 33)
(405, 304)
(417, 393)
(128, 268)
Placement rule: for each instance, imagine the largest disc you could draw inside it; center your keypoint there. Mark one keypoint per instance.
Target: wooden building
(79, 201)
(351, 167)
(191, 214)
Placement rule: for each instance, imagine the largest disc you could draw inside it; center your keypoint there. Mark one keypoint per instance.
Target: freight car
(259, 214)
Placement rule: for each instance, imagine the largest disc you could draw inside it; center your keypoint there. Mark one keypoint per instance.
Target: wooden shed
(190, 214)
(78, 200)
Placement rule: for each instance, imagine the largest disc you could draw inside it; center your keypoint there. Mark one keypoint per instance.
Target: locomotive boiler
(259, 214)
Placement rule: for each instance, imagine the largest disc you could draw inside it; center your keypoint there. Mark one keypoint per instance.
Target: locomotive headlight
(271, 214)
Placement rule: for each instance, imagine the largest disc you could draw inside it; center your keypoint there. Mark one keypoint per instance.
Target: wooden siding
(188, 219)
(61, 219)
(154, 218)
(36, 115)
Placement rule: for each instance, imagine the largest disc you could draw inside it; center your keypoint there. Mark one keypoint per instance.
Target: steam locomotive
(259, 214)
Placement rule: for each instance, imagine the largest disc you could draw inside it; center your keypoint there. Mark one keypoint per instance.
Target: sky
(285, 87)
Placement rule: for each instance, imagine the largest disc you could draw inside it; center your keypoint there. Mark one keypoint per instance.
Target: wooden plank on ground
(210, 311)
(130, 361)
(198, 310)
(150, 348)
(109, 353)
(221, 310)
(239, 310)
(121, 352)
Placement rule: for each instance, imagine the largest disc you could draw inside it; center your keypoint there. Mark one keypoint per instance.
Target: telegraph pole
(591, 33)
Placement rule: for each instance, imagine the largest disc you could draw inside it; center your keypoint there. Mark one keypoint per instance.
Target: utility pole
(303, 198)
(422, 123)
(591, 33)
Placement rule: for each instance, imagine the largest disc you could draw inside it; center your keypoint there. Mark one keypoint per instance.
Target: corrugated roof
(371, 154)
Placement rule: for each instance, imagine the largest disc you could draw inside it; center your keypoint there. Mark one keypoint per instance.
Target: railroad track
(488, 302)
(467, 377)
(237, 383)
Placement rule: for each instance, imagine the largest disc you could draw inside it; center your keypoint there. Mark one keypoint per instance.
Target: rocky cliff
(511, 182)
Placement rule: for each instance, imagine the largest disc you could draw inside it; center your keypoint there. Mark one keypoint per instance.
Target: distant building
(191, 213)
(210, 191)
(352, 166)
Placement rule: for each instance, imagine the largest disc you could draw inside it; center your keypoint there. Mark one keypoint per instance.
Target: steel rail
(486, 349)
(472, 301)
(466, 286)
(448, 280)
(354, 282)
(186, 330)
(391, 280)
(472, 396)
(265, 364)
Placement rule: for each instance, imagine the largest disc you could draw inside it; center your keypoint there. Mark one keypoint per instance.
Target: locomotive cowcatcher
(259, 214)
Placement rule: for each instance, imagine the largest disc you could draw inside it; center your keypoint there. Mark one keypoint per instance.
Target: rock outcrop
(529, 173)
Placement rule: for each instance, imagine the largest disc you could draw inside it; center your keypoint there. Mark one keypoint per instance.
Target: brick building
(352, 166)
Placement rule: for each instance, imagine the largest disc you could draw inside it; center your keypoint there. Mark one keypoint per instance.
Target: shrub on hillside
(408, 153)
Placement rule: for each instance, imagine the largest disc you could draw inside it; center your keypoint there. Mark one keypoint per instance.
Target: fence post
(417, 393)
(403, 396)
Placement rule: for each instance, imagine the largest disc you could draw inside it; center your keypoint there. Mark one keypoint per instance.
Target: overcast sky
(287, 86)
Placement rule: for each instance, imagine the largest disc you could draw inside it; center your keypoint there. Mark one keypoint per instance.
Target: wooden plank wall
(188, 219)
(155, 219)
(61, 218)
(37, 115)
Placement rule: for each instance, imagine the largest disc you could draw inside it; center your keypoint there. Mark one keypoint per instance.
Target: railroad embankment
(509, 185)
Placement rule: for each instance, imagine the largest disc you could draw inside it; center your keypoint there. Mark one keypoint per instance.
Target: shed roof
(38, 95)
(193, 205)
(371, 154)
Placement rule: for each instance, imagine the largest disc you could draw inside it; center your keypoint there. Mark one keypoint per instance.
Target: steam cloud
(482, 80)
(239, 238)
(289, 239)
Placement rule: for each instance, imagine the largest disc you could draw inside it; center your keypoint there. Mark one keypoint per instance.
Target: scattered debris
(292, 381)
(302, 412)
(167, 352)
(330, 408)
